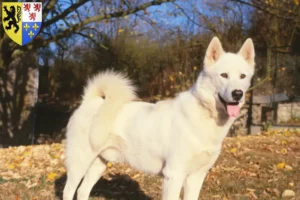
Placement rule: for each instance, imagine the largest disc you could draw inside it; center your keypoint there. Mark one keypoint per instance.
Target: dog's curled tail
(116, 90)
(111, 86)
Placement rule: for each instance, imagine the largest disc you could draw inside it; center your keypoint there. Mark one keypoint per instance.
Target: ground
(265, 166)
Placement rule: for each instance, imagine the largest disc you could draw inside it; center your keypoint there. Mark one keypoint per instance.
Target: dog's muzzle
(232, 108)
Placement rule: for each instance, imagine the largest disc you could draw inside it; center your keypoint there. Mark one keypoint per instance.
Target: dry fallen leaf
(108, 164)
(283, 151)
(230, 168)
(288, 193)
(29, 184)
(266, 194)
(252, 196)
(51, 176)
(62, 169)
(217, 196)
(283, 142)
(233, 150)
(281, 165)
(136, 176)
(11, 166)
(277, 193)
(250, 190)
(288, 167)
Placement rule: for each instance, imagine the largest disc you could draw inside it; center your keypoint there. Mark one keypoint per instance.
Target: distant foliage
(159, 68)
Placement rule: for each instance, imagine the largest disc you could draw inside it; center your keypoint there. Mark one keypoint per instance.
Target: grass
(251, 167)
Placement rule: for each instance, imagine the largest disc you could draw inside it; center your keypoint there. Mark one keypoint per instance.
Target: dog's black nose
(237, 94)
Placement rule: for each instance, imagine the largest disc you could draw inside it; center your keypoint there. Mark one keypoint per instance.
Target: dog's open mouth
(232, 108)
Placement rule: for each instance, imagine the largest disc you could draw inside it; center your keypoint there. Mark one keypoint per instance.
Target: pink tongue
(233, 110)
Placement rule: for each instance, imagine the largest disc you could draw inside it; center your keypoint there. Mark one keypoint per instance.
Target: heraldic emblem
(22, 21)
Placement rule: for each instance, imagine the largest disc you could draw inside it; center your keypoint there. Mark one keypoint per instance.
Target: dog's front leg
(193, 184)
(172, 185)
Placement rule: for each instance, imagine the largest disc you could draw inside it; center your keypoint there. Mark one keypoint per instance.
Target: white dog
(180, 138)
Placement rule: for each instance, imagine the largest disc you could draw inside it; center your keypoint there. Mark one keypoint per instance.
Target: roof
(270, 98)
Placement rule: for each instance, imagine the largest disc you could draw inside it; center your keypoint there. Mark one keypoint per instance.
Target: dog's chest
(203, 160)
(203, 149)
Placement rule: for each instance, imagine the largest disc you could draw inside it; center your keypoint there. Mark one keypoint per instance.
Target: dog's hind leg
(77, 166)
(93, 174)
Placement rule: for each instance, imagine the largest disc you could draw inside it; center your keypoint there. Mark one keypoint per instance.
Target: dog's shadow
(120, 187)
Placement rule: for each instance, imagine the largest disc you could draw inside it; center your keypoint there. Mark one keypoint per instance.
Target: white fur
(180, 138)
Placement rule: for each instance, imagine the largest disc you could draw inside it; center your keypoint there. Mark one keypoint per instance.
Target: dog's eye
(242, 76)
(224, 75)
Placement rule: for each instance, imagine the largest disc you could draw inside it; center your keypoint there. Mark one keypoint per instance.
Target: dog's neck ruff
(216, 113)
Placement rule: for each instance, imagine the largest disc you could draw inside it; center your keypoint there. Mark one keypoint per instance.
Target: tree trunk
(18, 94)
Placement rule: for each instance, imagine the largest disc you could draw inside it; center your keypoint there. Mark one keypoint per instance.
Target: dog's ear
(213, 52)
(247, 52)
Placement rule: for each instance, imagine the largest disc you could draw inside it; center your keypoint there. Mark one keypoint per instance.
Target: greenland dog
(179, 138)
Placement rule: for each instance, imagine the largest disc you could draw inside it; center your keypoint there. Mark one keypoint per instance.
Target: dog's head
(230, 74)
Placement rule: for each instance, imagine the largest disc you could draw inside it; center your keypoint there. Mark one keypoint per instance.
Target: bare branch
(78, 26)
(210, 26)
(188, 17)
(268, 11)
(50, 5)
(62, 15)
(91, 39)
